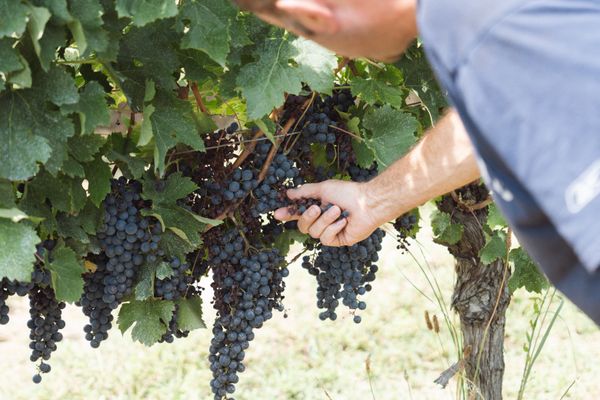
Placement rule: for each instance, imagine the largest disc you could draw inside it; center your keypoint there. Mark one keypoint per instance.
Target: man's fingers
(309, 190)
(330, 236)
(308, 218)
(283, 214)
(326, 219)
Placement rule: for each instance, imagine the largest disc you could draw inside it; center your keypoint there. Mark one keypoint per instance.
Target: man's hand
(345, 196)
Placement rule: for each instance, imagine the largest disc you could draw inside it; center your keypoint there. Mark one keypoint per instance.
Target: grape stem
(198, 98)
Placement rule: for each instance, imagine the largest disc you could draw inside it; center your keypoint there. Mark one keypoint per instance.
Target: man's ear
(315, 15)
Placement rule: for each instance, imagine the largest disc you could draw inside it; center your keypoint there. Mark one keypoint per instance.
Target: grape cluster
(45, 325)
(341, 99)
(177, 284)
(405, 226)
(270, 194)
(358, 174)
(247, 290)
(128, 241)
(241, 182)
(124, 238)
(94, 307)
(319, 129)
(344, 273)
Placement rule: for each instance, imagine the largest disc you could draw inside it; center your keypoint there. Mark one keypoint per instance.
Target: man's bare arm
(444, 160)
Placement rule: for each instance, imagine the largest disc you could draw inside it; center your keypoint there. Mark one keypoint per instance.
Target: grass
(390, 355)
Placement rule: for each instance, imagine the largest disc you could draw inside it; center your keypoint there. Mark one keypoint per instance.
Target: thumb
(309, 190)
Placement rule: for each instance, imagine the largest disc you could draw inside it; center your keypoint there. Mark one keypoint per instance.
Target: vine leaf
(16, 215)
(373, 91)
(92, 108)
(16, 23)
(7, 195)
(189, 314)
(9, 56)
(168, 191)
(525, 273)
(495, 219)
(65, 193)
(58, 86)
(287, 238)
(444, 230)
(264, 82)
(149, 319)
(17, 250)
(86, 26)
(392, 133)
(145, 11)
(164, 271)
(209, 31)
(85, 148)
(179, 220)
(66, 270)
(173, 122)
(144, 289)
(98, 174)
(494, 249)
(38, 18)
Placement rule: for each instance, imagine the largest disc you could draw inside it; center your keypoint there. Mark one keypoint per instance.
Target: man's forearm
(443, 161)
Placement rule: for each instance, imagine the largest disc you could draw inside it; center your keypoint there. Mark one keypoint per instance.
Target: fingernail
(313, 211)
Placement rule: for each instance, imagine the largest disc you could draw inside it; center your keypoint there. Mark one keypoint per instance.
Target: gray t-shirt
(525, 77)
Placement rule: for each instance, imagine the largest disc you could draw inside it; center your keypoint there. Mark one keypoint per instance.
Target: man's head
(379, 29)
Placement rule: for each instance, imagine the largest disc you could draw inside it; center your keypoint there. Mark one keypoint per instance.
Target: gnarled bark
(480, 297)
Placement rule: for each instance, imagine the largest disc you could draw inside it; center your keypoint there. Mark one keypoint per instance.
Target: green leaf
(209, 22)
(364, 155)
(444, 229)
(175, 246)
(22, 78)
(146, 11)
(373, 91)
(92, 108)
(393, 133)
(525, 273)
(495, 219)
(9, 56)
(58, 86)
(17, 250)
(267, 127)
(14, 18)
(16, 215)
(494, 249)
(70, 227)
(87, 26)
(144, 289)
(7, 194)
(38, 18)
(72, 168)
(180, 221)
(149, 319)
(189, 314)
(168, 191)
(85, 148)
(29, 133)
(66, 270)
(65, 193)
(98, 174)
(265, 81)
(289, 237)
(164, 271)
(173, 122)
(54, 37)
(315, 64)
